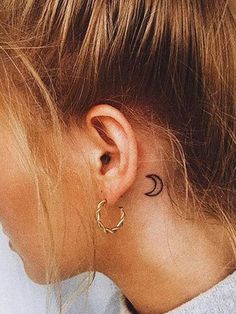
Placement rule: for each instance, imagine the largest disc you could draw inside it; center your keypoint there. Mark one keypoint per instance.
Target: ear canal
(105, 159)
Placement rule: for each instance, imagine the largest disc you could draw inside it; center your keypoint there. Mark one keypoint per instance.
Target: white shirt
(219, 299)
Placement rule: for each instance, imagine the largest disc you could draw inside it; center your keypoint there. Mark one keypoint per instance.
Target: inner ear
(101, 129)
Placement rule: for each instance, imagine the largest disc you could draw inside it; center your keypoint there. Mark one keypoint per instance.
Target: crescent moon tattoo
(157, 187)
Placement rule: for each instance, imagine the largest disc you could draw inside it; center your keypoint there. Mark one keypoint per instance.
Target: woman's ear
(116, 153)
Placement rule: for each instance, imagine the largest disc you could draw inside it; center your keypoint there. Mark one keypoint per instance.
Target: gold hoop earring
(101, 225)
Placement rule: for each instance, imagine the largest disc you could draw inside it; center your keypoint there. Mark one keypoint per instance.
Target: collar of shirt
(221, 298)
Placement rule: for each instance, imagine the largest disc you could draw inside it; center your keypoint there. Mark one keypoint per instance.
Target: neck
(162, 261)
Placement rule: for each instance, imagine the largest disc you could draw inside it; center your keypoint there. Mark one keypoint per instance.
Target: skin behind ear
(114, 137)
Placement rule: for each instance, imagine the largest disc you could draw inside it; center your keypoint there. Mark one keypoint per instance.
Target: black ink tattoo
(157, 187)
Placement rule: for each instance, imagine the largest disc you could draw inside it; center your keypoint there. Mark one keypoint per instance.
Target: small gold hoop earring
(101, 225)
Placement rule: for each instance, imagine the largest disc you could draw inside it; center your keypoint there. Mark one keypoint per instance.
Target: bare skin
(158, 260)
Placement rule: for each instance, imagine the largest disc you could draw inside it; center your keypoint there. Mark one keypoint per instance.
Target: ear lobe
(115, 137)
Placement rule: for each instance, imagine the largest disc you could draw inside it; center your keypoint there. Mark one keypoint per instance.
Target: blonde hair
(173, 61)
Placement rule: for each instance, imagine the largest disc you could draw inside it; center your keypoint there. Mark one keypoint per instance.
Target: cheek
(17, 203)
(19, 221)
(18, 208)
